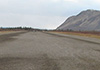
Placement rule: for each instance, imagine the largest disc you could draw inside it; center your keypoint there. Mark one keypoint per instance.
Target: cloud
(41, 13)
(46, 22)
(75, 1)
(96, 1)
(55, 0)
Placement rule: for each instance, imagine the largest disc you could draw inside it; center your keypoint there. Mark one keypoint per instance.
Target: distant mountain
(88, 20)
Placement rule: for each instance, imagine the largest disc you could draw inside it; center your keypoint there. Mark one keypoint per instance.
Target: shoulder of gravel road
(8, 36)
(81, 38)
(10, 32)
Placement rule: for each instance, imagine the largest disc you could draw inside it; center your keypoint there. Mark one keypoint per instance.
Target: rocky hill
(88, 20)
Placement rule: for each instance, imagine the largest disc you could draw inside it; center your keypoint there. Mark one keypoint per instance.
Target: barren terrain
(44, 51)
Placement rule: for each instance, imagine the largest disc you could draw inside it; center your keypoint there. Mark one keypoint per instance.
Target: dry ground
(41, 51)
(86, 34)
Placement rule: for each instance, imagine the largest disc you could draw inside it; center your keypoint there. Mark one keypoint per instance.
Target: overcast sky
(41, 13)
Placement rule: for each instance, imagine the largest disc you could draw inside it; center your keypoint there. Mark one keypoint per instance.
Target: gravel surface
(41, 51)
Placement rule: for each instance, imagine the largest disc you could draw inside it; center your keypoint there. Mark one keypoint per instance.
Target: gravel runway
(42, 51)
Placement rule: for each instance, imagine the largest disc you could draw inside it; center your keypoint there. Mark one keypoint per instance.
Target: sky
(43, 14)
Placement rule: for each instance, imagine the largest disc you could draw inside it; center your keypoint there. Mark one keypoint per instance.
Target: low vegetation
(7, 29)
(92, 34)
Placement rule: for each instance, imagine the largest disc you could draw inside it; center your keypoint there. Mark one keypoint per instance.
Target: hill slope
(88, 20)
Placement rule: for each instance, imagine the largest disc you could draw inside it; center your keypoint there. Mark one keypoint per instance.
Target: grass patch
(4, 32)
(85, 34)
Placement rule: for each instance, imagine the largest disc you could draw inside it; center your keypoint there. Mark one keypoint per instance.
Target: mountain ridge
(88, 20)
